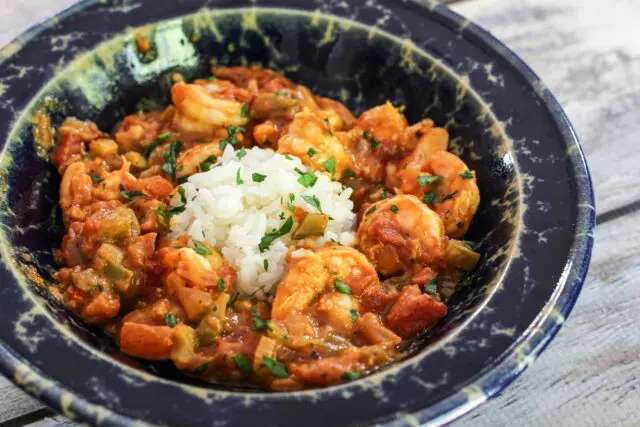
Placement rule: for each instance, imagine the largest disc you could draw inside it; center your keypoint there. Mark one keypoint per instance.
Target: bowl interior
(340, 59)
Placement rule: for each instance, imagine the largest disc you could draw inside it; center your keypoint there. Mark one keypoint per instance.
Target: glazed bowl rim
(503, 370)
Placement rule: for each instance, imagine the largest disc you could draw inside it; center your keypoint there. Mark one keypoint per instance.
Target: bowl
(534, 226)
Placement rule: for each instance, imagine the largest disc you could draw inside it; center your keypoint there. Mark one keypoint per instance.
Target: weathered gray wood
(588, 53)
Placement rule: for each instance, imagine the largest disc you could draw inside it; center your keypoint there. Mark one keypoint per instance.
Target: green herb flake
(129, 195)
(244, 111)
(467, 174)
(354, 315)
(330, 165)
(288, 157)
(258, 177)
(469, 244)
(232, 132)
(241, 153)
(341, 287)
(242, 362)
(147, 152)
(275, 367)
(95, 178)
(170, 320)
(431, 288)
(281, 215)
(239, 180)
(164, 136)
(282, 93)
(371, 210)
(269, 238)
(313, 201)
(311, 152)
(208, 163)
(170, 158)
(430, 197)
(165, 213)
(374, 143)
(202, 368)
(201, 249)
(394, 209)
(146, 105)
(183, 195)
(221, 286)
(427, 179)
(265, 264)
(307, 179)
(349, 173)
(448, 196)
(351, 376)
(259, 324)
(384, 195)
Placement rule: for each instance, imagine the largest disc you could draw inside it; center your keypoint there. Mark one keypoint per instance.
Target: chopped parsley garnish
(208, 163)
(371, 210)
(351, 376)
(330, 165)
(281, 215)
(394, 209)
(342, 288)
(448, 196)
(374, 143)
(146, 105)
(307, 179)
(384, 195)
(241, 153)
(313, 201)
(242, 362)
(201, 249)
(165, 213)
(288, 157)
(220, 285)
(275, 367)
(354, 314)
(170, 158)
(311, 152)
(202, 368)
(130, 194)
(429, 197)
(183, 195)
(467, 174)
(427, 179)
(147, 152)
(244, 111)
(239, 180)
(163, 136)
(265, 264)
(258, 177)
(349, 173)
(269, 238)
(170, 320)
(432, 287)
(232, 132)
(259, 324)
(95, 178)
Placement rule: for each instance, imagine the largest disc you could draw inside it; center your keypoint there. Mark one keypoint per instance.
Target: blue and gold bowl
(534, 226)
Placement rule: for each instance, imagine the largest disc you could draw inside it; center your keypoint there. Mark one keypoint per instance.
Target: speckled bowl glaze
(534, 226)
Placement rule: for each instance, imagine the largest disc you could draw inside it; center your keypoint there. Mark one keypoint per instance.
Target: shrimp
(311, 273)
(188, 268)
(448, 186)
(75, 192)
(400, 233)
(72, 137)
(310, 139)
(198, 111)
(191, 161)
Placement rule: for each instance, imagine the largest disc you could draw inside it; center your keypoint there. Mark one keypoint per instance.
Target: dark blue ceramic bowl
(535, 223)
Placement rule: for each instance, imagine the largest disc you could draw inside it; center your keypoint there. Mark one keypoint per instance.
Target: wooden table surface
(588, 53)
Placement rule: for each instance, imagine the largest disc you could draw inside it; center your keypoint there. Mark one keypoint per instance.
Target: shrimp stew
(337, 309)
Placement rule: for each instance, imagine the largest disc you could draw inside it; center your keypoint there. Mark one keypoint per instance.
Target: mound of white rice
(227, 208)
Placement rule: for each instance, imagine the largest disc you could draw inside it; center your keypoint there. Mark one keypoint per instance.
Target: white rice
(234, 217)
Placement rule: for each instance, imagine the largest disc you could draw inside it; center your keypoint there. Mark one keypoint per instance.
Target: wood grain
(588, 53)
